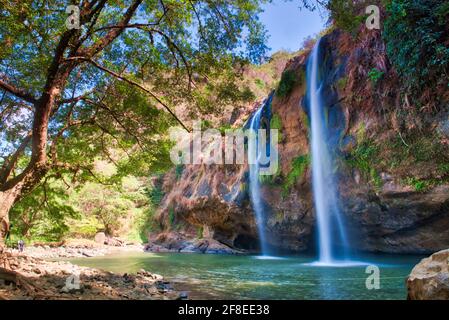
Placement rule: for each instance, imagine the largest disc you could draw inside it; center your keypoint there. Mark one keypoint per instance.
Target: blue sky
(288, 25)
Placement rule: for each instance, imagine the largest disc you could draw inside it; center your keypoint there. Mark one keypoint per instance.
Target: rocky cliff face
(391, 168)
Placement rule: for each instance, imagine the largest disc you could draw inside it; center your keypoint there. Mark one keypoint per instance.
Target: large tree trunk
(11, 189)
(7, 200)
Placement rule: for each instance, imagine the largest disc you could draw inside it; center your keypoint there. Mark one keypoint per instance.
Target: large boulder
(429, 279)
(100, 238)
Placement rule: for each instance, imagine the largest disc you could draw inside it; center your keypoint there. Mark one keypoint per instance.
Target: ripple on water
(269, 258)
(337, 264)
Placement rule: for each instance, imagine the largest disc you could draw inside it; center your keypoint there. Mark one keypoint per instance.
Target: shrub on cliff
(417, 39)
(288, 81)
(299, 166)
(346, 15)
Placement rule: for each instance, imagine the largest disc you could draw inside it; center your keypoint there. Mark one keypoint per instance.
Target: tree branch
(10, 163)
(19, 93)
(118, 76)
(103, 106)
(112, 34)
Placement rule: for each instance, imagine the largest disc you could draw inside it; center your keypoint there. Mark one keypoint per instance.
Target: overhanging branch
(118, 76)
(17, 92)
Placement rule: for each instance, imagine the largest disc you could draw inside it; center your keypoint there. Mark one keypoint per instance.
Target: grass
(304, 120)
(269, 179)
(224, 127)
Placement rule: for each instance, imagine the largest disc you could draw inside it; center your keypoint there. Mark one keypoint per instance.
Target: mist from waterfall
(254, 183)
(331, 233)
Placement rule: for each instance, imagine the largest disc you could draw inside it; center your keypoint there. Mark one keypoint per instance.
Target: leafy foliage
(375, 75)
(42, 214)
(364, 157)
(346, 14)
(299, 166)
(418, 185)
(416, 35)
(105, 204)
(108, 91)
(276, 124)
(289, 79)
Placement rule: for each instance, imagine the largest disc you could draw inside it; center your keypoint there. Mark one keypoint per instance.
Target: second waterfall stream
(330, 227)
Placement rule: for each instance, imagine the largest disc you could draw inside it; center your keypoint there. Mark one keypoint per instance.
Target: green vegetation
(276, 124)
(299, 166)
(43, 214)
(224, 127)
(271, 178)
(53, 212)
(418, 185)
(304, 120)
(155, 195)
(423, 150)
(171, 217)
(289, 80)
(345, 15)
(199, 232)
(260, 83)
(179, 169)
(375, 75)
(365, 157)
(415, 33)
(109, 89)
(341, 83)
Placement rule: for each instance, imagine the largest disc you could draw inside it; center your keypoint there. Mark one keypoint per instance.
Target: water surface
(249, 277)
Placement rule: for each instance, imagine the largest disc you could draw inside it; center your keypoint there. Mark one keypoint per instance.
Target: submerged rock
(429, 279)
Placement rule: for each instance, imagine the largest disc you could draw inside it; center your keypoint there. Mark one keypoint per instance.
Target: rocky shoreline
(177, 242)
(32, 276)
(78, 251)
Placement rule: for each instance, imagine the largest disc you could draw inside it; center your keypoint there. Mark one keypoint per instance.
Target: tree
(104, 203)
(42, 213)
(67, 92)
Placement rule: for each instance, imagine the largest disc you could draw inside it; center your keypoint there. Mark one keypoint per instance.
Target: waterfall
(329, 222)
(254, 183)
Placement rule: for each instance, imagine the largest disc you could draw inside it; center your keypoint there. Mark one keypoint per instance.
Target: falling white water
(253, 157)
(330, 227)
